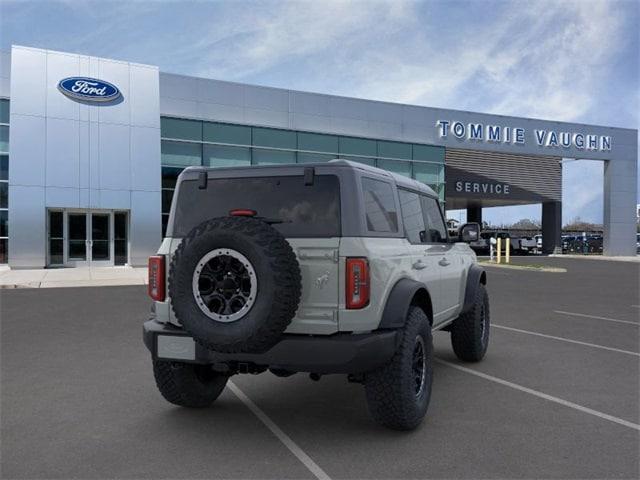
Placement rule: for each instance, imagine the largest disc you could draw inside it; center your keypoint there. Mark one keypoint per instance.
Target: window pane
(55, 252)
(221, 156)
(436, 229)
(4, 223)
(271, 137)
(412, 217)
(269, 157)
(165, 220)
(77, 250)
(428, 153)
(4, 250)
(169, 176)
(224, 133)
(314, 157)
(120, 226)
(77, 227)
(178, 128)
(167, 195)
(394, 150)
(4, 194)
(380, 206)
(55, 225)
(4, 167)
(317, 143)
(402, 168)
(178, 153)
(120, 252)
(4, 139)
(428, 173)
(305, 210)
(4, 111)
(358, 146)
(366, 161)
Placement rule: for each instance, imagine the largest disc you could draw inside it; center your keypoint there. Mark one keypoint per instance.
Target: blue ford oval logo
(89, 89)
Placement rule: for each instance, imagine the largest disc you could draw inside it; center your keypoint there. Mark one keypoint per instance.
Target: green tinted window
(314, 157)
(428, 173)
(4, 111)
(169, 176)
(270, 157)
(402, 168)
(317, 143)
(179, 153)
(271, 137)
(366, 161)
(4, 195)
(222, 156)
(394, 150)
(182, 129)
(224, 133)
(4, 167)
(358, 146)
(428, 153)
(4, 139)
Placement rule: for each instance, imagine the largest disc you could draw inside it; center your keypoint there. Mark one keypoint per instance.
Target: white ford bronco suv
(322, 268)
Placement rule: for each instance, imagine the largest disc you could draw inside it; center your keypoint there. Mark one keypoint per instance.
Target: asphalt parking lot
(556, 397)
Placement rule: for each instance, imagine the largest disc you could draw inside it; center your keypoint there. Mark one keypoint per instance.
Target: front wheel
(398, 393)
(470, 331)
(187, 384)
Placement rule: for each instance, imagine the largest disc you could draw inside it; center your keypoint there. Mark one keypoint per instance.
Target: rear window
(304, 210)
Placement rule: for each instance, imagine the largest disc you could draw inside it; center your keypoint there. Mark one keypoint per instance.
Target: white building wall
(70, 154)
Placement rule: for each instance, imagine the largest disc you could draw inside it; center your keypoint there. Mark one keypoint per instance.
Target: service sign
(88, 89)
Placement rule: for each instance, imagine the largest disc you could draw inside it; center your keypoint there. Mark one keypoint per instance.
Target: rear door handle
(444, 262)
(419, 265)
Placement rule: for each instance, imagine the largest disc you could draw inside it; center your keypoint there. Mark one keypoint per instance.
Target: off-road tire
(470, 331)
(391, 390)
(188, 385)
(278, 279)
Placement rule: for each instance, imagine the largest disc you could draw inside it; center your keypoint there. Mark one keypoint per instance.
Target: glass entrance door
(87, 238)
(100, 241)
(77, 239)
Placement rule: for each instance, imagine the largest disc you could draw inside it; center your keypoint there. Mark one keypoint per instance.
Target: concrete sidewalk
(73, 277)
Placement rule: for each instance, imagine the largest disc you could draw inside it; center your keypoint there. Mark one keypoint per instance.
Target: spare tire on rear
(235, 284)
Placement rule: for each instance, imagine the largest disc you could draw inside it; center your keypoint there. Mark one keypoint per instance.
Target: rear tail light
(357, 283)
(156, 278)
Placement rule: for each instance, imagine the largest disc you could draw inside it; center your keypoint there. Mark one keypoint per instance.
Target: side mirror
(470, 232)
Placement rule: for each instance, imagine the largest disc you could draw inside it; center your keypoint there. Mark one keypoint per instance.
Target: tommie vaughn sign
(478, 132)
(88, 89)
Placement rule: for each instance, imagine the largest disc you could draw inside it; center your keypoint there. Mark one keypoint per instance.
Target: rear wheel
(188, 385)
(398, 393)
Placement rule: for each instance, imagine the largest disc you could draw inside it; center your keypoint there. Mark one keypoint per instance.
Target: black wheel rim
(224, 285)
(419, 366)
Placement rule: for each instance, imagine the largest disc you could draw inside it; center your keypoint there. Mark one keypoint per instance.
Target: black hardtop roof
(298, 169)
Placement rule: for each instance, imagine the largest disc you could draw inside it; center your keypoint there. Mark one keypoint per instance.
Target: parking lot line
(574, 314)
(545, 396)
(283, 437)
(528, 332)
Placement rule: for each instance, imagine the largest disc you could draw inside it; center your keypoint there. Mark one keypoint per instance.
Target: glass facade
(194, 142)
(4, 180)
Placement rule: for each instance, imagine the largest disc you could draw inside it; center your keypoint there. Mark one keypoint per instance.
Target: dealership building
(90, 149)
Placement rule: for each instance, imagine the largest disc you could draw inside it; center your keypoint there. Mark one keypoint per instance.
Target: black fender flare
(476, 276)
(400, 299)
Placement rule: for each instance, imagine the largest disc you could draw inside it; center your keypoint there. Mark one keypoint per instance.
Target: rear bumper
(339, 353)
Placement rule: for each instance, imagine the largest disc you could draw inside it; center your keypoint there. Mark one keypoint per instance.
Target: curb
(74, 284)
(524, 267)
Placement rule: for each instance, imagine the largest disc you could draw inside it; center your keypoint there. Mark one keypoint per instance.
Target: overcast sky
(559, 60)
